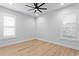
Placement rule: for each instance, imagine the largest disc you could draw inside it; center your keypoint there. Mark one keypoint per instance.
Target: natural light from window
(9, 26)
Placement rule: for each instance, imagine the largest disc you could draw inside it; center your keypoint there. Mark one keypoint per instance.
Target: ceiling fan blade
(35, 11)
(35, 4)
(39, 10)
(41, 5)
(29, 6)
(43, 8)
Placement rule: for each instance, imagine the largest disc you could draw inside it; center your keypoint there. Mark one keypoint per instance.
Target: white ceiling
(20, 7)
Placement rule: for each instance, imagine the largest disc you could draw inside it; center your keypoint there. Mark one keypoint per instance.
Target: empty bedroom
(39, 29)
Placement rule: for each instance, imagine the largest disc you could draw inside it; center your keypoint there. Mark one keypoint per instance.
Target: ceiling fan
(37, 7)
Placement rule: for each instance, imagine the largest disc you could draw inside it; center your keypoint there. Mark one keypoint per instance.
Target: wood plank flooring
(37, 48)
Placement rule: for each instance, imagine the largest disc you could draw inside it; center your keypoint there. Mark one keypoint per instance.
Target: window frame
(9, 26)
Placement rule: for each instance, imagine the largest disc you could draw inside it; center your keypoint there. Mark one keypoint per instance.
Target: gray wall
(77, 14)
(49, 26)
(25, 26)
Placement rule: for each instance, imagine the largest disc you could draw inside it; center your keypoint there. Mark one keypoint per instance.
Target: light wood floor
(37, 48)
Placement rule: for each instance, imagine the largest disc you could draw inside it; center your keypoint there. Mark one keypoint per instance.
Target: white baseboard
(7, 44)
(54, 42)
(62, 44)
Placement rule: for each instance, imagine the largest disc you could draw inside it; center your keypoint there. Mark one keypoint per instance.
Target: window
(9, 27)
(69, 26)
